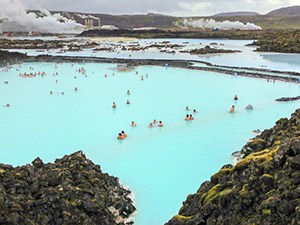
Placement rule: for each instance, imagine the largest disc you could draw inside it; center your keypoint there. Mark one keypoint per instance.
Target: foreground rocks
(262, 188)
(72, 190)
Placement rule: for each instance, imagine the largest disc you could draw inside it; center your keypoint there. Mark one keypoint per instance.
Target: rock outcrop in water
(72, 190)
(262, 188)
(288, 99)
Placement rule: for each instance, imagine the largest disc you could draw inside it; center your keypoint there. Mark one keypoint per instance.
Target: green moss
(220, 173)
(94, 180)
(266, 212)
(215, 192)
(181, 218)
(267, 176)
(257, 157)
(244, 191)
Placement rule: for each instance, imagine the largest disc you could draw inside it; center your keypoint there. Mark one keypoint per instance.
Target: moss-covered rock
(73, 190)
(263, 188)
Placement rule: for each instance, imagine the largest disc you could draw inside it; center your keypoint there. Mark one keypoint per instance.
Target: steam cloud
(15, 11)
(224, 25)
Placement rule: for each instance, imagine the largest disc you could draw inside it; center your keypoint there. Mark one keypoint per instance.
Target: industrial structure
(92, 23)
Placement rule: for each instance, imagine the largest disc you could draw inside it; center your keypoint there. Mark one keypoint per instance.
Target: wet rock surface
(73, 190)
(288, 99)
(262, 188)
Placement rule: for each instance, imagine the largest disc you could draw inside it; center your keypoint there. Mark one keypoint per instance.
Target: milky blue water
(160, 165)
(246, 58)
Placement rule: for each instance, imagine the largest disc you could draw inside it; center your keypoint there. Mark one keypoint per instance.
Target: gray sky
(170, 7)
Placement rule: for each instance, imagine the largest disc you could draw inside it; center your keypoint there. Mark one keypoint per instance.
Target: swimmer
(235, 97)
(133, 124)
(191, 117)
(5, 82)
(124, 134)
(7, 105)
(160, 124)
(75, 77)
(75, 89)
(232, 109)
(187, 108)
(120, 136)
(62, 93)
(150, 125)
(128, 92)
(154, 121)
(195, 111)
(114, 105)
(51, 92)
(127, 102)
(187, 118)
(142, 77)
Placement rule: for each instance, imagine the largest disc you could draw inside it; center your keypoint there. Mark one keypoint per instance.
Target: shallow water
(160, 165)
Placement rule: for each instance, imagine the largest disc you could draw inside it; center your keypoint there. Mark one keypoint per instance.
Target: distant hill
(242, 13)
(284, 18)
(287, 11)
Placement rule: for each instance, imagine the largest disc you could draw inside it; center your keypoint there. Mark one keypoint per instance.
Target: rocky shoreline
(72, 190)
(262, 188)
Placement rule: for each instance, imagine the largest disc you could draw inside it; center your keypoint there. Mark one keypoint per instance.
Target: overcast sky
(170, 7)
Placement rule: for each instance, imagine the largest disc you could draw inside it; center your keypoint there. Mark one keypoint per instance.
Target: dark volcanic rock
(262, 188)
(73, 190)
(288, 99)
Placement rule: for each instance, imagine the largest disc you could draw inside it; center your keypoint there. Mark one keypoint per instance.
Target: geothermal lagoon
(160, 165)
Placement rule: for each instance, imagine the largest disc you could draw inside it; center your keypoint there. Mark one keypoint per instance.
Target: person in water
(187, 118)
(127, 102)
(7, 105)
(124, 134)
(120, 136)
(160, 124)
(187, 108)
(235, 97)
(133, 124)
(154, 122)
(195, 111)
(191, 117)
(150, 125)
(114, 105)
(232, 109)
(62, 93)
(51, 92)
(75, 89)
(128, 92)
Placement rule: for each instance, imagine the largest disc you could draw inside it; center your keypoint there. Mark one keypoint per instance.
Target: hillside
(287, 11)
(231, 14)
(263, 188)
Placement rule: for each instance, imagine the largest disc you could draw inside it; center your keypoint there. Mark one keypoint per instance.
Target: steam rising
(15, 11)
(224, 25)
